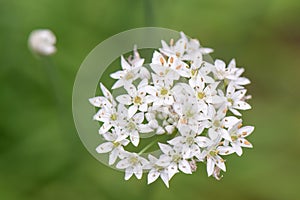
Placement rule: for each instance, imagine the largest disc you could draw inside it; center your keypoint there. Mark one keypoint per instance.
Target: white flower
(157, 169)
(136, 97)
(113, 146)
(207, 94)
(235, 99)
(217, 122)
(173, 66)
(238, 134)
(176, 158)
(129, 73)
(188, 141)
(184, 102)
(161, 93)
(133, 164)
(133, 127)
(42, 42)
(213, 159)
(178, 49)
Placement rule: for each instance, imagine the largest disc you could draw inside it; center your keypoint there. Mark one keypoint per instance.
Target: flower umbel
(195, 104)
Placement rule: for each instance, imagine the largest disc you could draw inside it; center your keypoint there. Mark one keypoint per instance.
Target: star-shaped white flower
(161, 93)
(176, 159)
(128, 74)
(133, 127)
(238, 134)
(157, 169)
(112, 145)
(136, 98)
(188, 141)
(133, 164)
(235, 99)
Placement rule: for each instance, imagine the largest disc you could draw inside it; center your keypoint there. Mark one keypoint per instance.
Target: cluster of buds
(194, 102)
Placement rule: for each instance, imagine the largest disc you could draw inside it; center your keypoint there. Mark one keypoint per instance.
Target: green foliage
(41, 156)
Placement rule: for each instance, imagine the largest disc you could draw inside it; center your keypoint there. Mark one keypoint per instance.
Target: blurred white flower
(42, 42)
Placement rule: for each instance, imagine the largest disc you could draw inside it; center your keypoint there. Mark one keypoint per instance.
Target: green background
(41, 156)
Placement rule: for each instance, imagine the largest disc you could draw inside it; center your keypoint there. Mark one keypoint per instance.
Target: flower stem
(148, 146)
(148, 9)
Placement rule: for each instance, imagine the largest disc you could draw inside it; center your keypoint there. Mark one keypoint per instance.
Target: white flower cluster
(196, 103)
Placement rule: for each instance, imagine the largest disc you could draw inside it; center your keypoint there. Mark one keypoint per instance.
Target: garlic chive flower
(195, 104)
(42, 42)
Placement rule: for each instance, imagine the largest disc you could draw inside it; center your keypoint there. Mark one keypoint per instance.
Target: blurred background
(41, 155)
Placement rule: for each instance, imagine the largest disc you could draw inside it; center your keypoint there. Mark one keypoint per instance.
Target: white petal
(132, 110)
(202, 141)
(104, 128)
(230, 121)
(144, 73)
(124, 99)
(128, 173)
(172, 170)
(176, 140)
(143, 107)
(169, 100)
(122, 164)
(237, 148)
(185, 167)
(130, 88)
(105, 147)
(98, 101)
(235, 112)
(138, 172)
(113, 156)
(225, 150)
(138, 118)
(241, 105)
(245, 143)
(152, 176)
(245, 131)
(210, 166)
(221, 164)
(117, 75)
(165, 177)
(134, 138)
(144, 128)
(117, 84)
(220, 65)
(125, 64)
(166, 149)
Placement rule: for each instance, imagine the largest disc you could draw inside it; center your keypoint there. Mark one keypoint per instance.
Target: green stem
(148, 8)
(148, 146)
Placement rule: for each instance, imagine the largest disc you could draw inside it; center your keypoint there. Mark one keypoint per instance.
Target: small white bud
(42, 42)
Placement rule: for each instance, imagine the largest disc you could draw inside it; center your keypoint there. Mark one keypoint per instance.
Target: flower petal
(152, 176)
(124, 99)
(185, 167)
(105, 147)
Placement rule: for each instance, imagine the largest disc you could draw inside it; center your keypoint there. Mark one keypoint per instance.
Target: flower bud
(42, 42)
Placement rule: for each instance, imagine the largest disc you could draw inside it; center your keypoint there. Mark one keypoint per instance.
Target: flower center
(176, 157)
(131, 126)
(194, 72)
(133, 160)
(137, 100)
(116, 144)
(230, 100)
(113, 117)
(201, 95)
(164, 91)
(189, 114)
(190, 140)
(129, 76)
(213, 153)
(217, 123)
